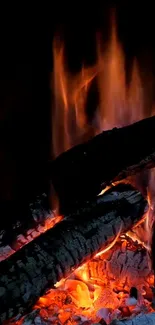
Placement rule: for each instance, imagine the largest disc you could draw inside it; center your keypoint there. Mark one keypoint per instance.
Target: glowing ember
(102, 288)
(50, 221)
(111, 245)
(79, 292)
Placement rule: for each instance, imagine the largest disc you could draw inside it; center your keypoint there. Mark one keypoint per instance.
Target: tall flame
(70, 92)
(119, 104)
(112, 84)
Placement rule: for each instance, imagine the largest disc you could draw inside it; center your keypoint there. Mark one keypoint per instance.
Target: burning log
(9, 245)
(124, 266)
(145, 319)
(32, 217)
(28, 273)
(83, 171)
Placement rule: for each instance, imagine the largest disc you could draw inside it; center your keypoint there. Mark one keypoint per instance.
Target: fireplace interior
(89, 259)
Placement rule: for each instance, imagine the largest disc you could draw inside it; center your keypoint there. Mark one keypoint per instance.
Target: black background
(26, 64)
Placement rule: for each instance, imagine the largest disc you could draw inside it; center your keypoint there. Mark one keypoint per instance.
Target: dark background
(26, 64)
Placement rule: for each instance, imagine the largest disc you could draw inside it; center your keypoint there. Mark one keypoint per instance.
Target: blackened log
(83, 171)
(119, 260)
(28, 273)
(17, 219)
(19, 233)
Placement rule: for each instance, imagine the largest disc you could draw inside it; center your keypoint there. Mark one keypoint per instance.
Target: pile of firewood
(91, 221)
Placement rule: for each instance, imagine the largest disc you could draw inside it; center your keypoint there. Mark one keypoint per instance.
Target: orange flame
(111, 245)
(79, 292)
(151, 212)
(112, 85)
(70, 92)
(119, 104)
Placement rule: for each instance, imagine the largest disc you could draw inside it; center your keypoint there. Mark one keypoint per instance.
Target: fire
(52, 222)
(111, 245)
(22, 240)
(79, 292)
(112, 85)
(98, 283)
(69, 117)
(119, 104)
(151, 199)
(99, 290)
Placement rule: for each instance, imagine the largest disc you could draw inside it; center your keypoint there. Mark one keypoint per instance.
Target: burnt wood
(83, 171)
(27, 217)
(29, 272)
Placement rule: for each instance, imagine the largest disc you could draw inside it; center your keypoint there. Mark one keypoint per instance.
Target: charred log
(28, 273)
(125, 265)
(145, 319)
(22, 219)
(18, 234)
(18, 240)
(83, 171)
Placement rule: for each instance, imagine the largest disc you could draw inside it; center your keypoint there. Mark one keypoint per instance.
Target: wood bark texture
(29, 217)
(83, 171)
(36, 267)
(120, 263)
